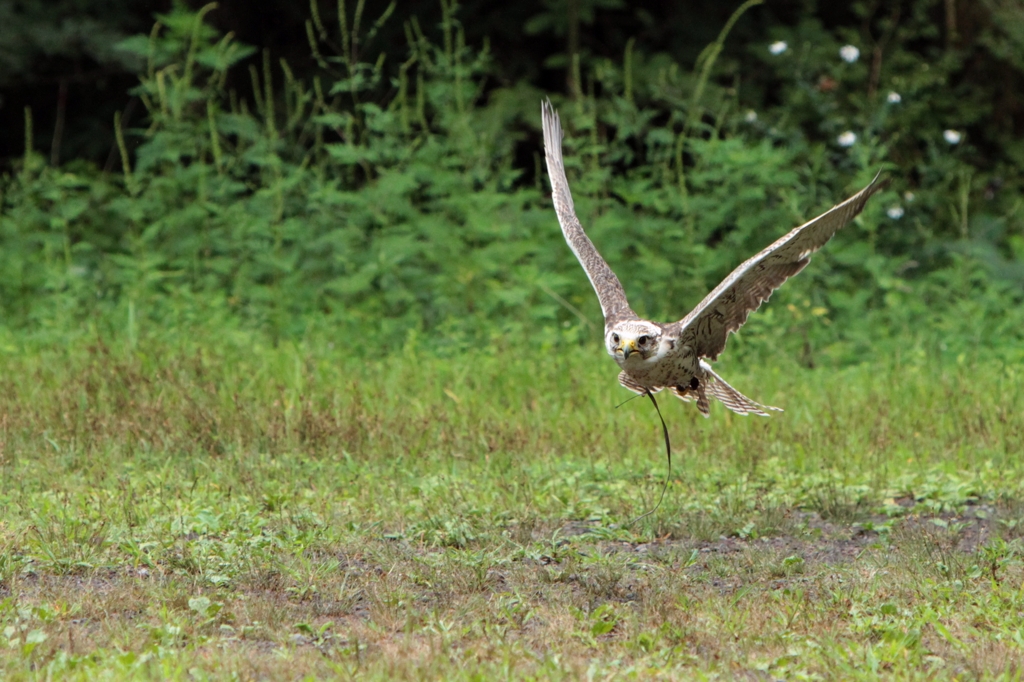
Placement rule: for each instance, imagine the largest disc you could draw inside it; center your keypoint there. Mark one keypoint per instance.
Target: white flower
(895, 212)
(778, 47)
(750, 116)
(849, 53)
(893, 98)
(951, 136)
(908, 196)
(847, 139)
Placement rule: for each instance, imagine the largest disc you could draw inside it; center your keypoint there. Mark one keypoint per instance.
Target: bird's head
(633, 341)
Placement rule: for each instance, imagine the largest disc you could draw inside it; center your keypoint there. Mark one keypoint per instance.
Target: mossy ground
(196, 510)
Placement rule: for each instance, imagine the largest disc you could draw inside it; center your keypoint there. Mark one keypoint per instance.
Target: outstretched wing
(727, 307)
(609, 290)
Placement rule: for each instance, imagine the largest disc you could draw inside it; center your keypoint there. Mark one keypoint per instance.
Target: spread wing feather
(630, 383)
(707, 327)
(607, 286)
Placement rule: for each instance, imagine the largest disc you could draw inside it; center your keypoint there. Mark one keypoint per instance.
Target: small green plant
(367, 565)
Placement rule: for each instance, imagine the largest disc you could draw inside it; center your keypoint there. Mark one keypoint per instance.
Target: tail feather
(730, 397)
(710, 386)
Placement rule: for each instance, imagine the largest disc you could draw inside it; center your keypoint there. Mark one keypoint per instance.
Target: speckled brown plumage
(656, 356)
(609, 290)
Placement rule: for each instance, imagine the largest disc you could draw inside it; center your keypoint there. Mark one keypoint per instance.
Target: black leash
(668, 454)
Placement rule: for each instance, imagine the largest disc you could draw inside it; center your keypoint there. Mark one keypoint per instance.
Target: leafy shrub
(384, 206)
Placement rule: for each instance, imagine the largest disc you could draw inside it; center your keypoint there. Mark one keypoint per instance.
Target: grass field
(206, 508)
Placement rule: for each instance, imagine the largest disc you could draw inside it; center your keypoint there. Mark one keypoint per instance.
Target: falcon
(675, 356)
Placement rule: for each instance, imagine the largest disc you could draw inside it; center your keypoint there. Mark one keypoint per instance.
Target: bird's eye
(615, 338)
(642, 340)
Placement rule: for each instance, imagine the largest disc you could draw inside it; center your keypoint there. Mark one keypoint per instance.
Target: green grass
(210, 507)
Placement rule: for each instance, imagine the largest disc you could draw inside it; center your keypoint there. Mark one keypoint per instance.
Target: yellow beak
(628, 348)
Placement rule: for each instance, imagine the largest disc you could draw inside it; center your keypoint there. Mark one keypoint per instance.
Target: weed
(505, 551)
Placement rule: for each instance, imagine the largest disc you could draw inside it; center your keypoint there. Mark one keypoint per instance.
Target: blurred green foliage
(84, 33)
(394, 204)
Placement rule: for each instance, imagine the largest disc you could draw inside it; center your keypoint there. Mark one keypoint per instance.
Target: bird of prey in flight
(675, 356)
